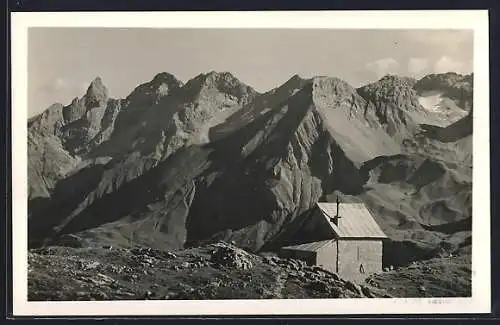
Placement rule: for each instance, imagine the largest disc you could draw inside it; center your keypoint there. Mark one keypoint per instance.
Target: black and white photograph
(232, 163)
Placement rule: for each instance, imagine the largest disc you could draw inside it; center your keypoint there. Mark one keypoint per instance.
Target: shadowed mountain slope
(175, 165)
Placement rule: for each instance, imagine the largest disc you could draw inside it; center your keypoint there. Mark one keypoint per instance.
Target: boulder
(351, 286)
(231, 256)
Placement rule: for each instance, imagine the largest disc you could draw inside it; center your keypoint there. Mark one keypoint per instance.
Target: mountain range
(174, 164)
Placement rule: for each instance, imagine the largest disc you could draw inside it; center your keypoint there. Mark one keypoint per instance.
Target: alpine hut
(343, 238)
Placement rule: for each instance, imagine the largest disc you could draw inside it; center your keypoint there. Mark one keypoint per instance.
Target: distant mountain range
(174, 165)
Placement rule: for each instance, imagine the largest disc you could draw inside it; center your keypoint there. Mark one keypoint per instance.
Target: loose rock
(232, 257)
(353, 287)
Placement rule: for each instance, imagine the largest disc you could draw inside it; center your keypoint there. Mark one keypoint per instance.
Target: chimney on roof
(335, 219)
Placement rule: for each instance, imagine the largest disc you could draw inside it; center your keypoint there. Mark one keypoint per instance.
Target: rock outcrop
(455, 86)
(231, 257)
(396, 104)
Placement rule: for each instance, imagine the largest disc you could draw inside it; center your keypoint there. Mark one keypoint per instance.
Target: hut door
(361, 267)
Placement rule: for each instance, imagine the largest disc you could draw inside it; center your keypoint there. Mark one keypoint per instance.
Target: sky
(63, 61)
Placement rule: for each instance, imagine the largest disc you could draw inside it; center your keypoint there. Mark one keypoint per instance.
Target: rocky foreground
(437, 277)
(217, 271)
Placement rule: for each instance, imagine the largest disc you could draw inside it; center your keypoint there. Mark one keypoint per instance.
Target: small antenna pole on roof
(335, 219)
(338, 203)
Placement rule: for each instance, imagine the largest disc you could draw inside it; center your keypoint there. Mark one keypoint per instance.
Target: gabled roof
(355, 220)
(309, 247)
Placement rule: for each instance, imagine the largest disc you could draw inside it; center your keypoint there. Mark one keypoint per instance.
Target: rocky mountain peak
(163, 82)
(97, 94)
(455, 86)
(446, 80)
(225, 81)
(295, 82)
(351, 117)
(393, 90)
(49, 121)
(410, 80)
(150, 92)
(396, 104)
(392, 83)
(220, 75)
(222, 82)
(165, 77)
(288, 87)
(335, 93)
(332, 85)
(296, 78)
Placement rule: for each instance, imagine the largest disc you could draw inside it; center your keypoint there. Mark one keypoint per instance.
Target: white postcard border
(477, 20)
